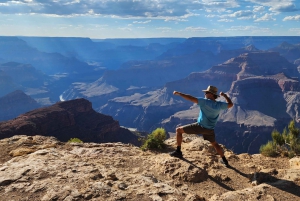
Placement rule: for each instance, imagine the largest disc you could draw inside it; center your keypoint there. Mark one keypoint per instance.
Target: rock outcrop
(288, 50)
(69, 119)
(14, 104)
(43, 168)
(256, 64)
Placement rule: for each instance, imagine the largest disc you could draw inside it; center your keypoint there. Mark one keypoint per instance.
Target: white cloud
(217, 5)
(142, 22)
(277, 5)
(258, 9)
(163, 28)
(125, 29)
(248, 29)
(242, 14)
(266, 17)
(210, 16)
(295, 17)
(295, 30)
(285, 7)
(225, 20)
(195, 29)
(117, 8)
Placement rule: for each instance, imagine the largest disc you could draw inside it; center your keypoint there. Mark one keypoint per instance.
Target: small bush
(76, 140)
(155, 140)
(268, 149)
(291, 154)
(277, 138)
(285, 144)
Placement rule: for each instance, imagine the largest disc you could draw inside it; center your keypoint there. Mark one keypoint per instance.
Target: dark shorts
(195, 128)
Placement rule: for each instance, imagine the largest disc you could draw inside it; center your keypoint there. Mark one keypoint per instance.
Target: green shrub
(297, 148)
(76, 140)
(285, 144)
(291, 154)
(155, 140)
(294, 131)
(277, 138)
(268, 149)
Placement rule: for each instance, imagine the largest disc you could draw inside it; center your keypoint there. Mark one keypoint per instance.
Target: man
(208, 116)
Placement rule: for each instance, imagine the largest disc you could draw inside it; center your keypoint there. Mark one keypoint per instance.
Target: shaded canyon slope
(16, 103)
(18, 76)
(261, 84)
(17, 50)
(69, 119)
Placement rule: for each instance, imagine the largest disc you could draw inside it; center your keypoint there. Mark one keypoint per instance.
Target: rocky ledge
(43, 168)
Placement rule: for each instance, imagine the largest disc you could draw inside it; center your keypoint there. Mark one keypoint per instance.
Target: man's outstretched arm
(186, 96)
(228, 100)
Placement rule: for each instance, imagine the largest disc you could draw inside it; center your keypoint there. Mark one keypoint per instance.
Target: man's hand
(176, 93)
(228, 100)
(186, 96)
(222, 94)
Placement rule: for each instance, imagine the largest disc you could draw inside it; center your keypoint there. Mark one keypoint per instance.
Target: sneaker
(224, 162)
(176, 153)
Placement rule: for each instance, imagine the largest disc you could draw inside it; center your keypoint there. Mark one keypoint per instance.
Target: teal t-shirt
(209, 112)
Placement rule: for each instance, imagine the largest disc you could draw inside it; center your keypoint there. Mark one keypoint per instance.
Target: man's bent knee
(215, 144)
(179, 130)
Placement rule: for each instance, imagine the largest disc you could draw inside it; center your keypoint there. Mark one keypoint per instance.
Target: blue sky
(149, 18)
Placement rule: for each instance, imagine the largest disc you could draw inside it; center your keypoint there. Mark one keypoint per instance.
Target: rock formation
(14, 104)
(43, 168)
(290, 51)
(69, 119)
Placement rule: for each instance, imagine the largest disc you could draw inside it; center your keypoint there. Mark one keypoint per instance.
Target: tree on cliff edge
(286, 143)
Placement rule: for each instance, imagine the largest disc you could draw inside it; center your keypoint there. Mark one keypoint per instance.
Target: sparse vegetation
(76, 140)
(268, 149)
(285, 144)
(155, 140)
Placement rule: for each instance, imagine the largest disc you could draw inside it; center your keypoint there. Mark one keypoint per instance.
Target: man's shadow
(210, 177)
(282, 184)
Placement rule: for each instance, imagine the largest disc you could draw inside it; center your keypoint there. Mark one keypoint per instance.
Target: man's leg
(179, 132)
(177, 152)
(219, 150)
